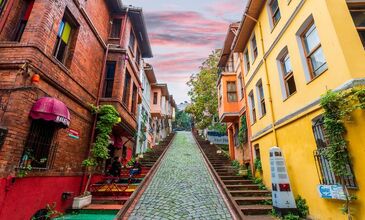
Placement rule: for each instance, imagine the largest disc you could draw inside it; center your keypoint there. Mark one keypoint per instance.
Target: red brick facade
(75, 82)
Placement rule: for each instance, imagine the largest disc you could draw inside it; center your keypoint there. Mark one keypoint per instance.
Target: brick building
(56, 58)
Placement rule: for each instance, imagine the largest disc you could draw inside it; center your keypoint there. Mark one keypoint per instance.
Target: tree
(182, 120)
(203, 92)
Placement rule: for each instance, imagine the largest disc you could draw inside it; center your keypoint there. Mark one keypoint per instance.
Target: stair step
(237, 182)
(246, 193)
(243, 187)
(109, 199)
(231, 177)
(103, 207)
(256, 209)
(251, 200)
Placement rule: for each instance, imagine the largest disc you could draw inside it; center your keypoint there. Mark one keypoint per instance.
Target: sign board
(282, 195)
(73, 134)
(217, 138)
(331, 192)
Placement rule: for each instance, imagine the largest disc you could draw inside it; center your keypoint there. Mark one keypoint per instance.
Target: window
(63, 40)
(230, 65)
(251, 100)
(39, 147)
(155, 94)
(260, 91)
(325, 174)
(240, 84)
(127, 88)
(247, 61)
(275, 12)
(288, 76)
(232, 91)
(254, 47)
(131, 41)
(134, 99)
(2, 5)
(109, 79)
(115, 32)
(26, 10)
(358, 15)
(313, 51)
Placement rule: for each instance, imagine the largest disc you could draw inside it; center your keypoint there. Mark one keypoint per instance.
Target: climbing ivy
(242, 134)
(108, 116)
(337, 108)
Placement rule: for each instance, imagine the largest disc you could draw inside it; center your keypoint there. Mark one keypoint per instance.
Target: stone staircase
(248, 197)
(116, 196)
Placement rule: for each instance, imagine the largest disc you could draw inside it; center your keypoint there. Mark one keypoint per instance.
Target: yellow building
(294, 51)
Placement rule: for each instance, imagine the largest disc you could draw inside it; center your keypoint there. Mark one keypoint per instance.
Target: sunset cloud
(182, 35)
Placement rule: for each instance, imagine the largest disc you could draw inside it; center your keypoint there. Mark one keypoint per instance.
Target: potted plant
(243, 171)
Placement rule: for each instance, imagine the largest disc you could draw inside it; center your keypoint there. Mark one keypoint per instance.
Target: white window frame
(258, 98)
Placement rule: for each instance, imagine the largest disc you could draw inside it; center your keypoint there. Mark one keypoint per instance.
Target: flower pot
(81, 201)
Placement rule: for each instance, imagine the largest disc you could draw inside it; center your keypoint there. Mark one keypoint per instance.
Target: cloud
(184, 28)
(221, 8)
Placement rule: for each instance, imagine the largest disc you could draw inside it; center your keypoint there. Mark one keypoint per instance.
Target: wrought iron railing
(327, 176)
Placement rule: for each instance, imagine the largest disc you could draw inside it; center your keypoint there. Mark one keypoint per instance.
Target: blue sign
(331, 192)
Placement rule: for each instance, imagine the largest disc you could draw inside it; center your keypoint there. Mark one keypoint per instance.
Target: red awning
(51, 109)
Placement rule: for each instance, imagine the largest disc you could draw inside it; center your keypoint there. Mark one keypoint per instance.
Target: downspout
(267, 80)
(248, 121)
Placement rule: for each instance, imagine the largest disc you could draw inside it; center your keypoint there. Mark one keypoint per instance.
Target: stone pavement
(182, 187)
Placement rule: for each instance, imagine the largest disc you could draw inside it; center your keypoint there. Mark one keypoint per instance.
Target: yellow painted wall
(345, 58)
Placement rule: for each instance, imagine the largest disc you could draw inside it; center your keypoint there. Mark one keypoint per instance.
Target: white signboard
(331, 192)
(282, 195)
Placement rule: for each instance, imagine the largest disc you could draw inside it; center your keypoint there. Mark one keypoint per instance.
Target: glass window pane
(311, 39)
(232, 97)
(318, 62)
(359, 18)
(61, 51)
(274, 5)
(231, 86)
(277, 16)
(261, 91)
(290, 83)
(287, 65)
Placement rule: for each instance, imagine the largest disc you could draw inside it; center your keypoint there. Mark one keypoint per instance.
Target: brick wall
(74, 83)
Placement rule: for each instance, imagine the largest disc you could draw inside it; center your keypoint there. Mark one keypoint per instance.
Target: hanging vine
(337, 109)
(242, 133)
(108, 116)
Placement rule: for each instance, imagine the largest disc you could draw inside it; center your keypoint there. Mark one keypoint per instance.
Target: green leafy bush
(302, 207)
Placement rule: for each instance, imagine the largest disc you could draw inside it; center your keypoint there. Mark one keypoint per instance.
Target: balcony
(229, 105)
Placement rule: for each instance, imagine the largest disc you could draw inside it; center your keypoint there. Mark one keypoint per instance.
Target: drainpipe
(267, 79)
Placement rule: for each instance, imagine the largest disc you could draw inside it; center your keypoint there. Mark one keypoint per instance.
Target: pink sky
(183, 33)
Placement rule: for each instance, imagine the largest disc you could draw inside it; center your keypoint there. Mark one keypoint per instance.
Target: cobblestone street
(182, 187)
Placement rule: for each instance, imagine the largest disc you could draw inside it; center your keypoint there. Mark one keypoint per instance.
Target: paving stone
(182, 187)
